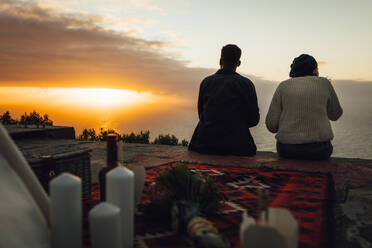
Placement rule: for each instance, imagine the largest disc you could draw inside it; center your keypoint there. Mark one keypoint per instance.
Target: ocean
(353, 131)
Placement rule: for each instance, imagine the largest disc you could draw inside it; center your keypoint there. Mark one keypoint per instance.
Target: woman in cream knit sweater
(301, 110)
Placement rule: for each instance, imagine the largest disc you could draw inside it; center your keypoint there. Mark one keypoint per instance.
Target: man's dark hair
(230, 54)
(303, 65)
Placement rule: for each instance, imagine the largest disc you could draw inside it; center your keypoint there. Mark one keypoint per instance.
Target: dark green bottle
(111, 163)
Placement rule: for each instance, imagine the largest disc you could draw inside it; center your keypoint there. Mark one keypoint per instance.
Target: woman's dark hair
(303, 65)
(230, 54)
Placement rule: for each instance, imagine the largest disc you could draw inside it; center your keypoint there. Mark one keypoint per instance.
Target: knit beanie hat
(303, 65)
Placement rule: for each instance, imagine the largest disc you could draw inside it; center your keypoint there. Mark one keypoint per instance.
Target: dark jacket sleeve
(200, 99)
(250, 101)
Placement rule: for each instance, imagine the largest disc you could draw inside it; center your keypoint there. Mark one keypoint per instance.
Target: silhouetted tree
(6, 118)
(184, 142)
(24, 120)
(142, 138)
(88, 134)
(166, 140)
(46, 121)
(34, 118)
(103, 133)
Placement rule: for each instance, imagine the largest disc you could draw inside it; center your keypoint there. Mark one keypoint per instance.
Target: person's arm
(334, 110)
(273, 115)
(250, 98)
(200, 100)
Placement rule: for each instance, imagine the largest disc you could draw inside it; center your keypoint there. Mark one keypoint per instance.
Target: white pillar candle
(279, 231)
(246, 223)
(120, 192)
(263, 236)
(139, 182)
(105, 226)
(282, 220)
(66, 212)
(120, 146)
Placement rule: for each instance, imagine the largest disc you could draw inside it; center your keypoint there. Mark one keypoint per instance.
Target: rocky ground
(97, 150)
(98, 153)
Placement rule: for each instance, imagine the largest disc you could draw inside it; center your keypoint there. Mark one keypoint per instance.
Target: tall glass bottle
(111, 162)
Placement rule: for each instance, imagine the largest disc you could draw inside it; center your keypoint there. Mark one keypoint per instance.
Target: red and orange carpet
(305, 194)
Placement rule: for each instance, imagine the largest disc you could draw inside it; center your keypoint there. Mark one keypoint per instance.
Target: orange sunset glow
(84, 97)
(91, 107)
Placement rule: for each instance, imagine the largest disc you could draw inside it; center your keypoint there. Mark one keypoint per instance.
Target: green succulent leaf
(183, 185)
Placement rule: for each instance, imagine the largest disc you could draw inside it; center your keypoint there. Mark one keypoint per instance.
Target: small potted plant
(188, 199)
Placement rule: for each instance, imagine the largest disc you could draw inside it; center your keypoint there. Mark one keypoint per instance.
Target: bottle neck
(112, 150)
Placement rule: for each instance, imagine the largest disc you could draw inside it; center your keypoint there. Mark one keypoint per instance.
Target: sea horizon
(352, 132)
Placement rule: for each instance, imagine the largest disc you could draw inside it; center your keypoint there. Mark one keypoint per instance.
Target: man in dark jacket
(227, 107)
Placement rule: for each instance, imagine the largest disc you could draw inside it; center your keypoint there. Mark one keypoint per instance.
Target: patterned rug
(305, 194)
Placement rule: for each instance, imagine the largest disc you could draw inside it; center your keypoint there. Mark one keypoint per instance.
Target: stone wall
(49, 132)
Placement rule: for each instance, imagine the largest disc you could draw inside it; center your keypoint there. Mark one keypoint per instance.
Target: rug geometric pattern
(305, 194)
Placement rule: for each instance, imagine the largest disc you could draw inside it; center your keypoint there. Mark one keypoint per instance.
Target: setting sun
(83, 97)
(108, 97)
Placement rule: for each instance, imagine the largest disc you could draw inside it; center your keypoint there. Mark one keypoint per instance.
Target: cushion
(22, 223)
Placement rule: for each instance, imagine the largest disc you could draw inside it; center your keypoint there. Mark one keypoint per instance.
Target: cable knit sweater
(301, 109)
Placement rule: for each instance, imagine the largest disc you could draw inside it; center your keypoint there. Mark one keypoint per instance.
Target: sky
(137, 65)
(270, 32)
(166, 47)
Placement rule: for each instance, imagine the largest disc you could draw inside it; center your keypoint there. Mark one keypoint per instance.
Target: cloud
(131, 25)
(107, 6)
(134, 21)
(321, 63)
(44, 47)
(146, 5)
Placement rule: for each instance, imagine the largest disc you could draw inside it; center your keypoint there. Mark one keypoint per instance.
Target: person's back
(304, 117)
(300, 112)
(227, 107)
